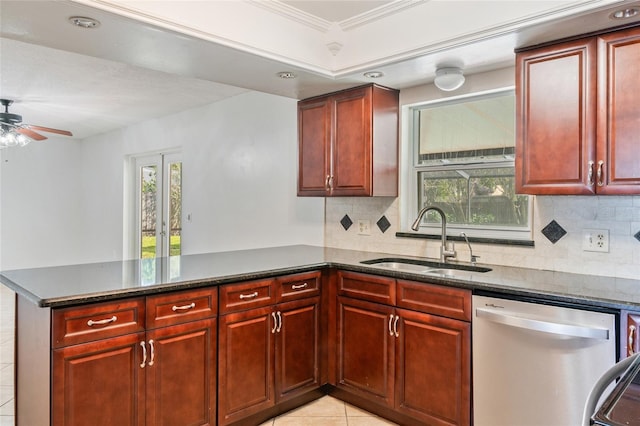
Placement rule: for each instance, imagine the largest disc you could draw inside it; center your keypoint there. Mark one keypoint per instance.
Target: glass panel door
(159, 205)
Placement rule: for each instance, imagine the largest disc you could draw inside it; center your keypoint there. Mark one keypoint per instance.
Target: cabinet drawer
(435, 299)
(247, 295)
(180, 307)
(298, 286)
(367, 287)
(97, 321)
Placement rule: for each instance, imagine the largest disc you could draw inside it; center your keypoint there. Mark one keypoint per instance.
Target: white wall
(40, 203)
(619, 214)
(239, 184)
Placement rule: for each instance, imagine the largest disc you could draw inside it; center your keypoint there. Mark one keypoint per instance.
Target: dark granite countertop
(76, 284)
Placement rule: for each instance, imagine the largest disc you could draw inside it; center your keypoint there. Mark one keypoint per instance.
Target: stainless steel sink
(424, 266)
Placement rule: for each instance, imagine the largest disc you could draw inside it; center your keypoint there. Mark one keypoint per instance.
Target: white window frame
(409, 198)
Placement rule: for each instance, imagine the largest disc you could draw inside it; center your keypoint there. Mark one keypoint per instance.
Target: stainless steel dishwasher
(534, 364)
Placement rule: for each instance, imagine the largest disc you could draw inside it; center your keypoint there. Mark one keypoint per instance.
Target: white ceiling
(151, 58)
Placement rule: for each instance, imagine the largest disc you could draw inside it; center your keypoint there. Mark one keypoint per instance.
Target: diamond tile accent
(346, 222)
(553, 231)
(383, 223)
(637, 236)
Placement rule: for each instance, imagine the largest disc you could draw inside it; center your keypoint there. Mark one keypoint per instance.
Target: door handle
(544, 326)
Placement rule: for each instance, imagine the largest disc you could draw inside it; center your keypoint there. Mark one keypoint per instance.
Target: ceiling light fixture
(624, 13)
(84, 22)
(10, 137)
(286, 75)
(448, 78)
(374, 74)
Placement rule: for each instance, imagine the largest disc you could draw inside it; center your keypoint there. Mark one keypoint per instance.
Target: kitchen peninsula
(54, 303)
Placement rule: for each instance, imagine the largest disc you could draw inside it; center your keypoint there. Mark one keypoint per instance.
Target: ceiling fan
(14, 132)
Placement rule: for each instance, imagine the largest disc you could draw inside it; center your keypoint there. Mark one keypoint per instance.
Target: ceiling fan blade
(49, 129)
(30, 133)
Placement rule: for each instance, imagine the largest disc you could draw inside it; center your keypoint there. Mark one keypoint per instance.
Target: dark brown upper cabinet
(348, 143)
(577, 116)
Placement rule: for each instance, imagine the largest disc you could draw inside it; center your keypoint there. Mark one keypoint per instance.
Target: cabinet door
(181, 374)
(630, 333)
(297, 347)
(314, 156)
(619, 121)
(555, 119)
(352, 143)
(99, 383)
(433, 368)
(245, 363)
(365, 349)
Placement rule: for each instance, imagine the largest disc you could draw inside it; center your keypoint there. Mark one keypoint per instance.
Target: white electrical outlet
(595, 240)
(364, 227)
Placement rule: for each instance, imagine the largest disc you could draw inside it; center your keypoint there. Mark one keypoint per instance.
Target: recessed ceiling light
(84, 22)
(374, 74)
(624, 13)
(286, 75)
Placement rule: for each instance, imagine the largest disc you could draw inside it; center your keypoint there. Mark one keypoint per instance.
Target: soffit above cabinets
(229, 47)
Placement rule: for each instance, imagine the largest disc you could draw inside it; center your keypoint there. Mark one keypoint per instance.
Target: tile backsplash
(619, 214)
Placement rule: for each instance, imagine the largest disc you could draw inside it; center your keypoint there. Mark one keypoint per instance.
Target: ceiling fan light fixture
(449, 78)
(84, 22)
(10, 138)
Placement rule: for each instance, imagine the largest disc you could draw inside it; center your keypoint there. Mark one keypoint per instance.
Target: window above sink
(462, 161)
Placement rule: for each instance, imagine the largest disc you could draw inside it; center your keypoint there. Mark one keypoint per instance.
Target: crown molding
(290, 12)
(378, 13)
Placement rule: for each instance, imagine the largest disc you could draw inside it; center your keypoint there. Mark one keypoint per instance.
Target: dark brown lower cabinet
(366, 355)
(266, 356)
(181, 383)
(414, 363)
(164, 377)
(433, 368)
(99, 383)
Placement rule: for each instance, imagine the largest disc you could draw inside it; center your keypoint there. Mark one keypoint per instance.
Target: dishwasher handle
(543, 326)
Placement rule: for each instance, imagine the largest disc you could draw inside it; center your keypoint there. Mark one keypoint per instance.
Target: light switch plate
(595, 240)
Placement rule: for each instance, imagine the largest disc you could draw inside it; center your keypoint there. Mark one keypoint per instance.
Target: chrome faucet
(472, 258)
(445, 252)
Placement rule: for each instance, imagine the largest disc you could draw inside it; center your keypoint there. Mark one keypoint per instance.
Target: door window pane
(175, 208)
(148, 211)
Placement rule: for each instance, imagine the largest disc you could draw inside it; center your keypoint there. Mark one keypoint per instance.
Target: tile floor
(326, 411)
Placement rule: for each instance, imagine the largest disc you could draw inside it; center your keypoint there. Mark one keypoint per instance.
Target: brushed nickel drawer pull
(153, 354)
(599, 173)
(395, 326)
(183, 308)
(390, 322)
(630, 348)
(144, 355)
(249, 296)
(298, 287)
(590, 176)
(91, 323)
